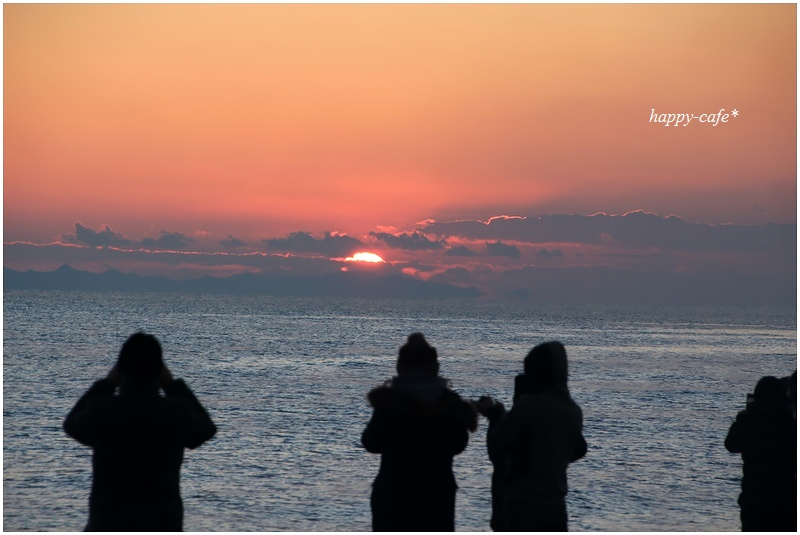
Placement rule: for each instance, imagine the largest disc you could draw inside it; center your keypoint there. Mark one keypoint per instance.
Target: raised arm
(199, 428)
(734, 442)
(374, 436)
(494, 411)
(580, 449)
(79, 423)
(504, 429)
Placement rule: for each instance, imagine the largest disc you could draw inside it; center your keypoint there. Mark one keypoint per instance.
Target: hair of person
(140, 357)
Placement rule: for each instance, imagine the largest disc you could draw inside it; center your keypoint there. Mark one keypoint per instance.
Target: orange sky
(259, 120)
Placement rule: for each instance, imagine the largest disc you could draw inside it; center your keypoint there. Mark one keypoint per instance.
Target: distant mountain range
(339, 284)
(552, 285)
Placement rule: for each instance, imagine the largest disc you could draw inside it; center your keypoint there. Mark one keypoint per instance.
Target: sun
(365, 257)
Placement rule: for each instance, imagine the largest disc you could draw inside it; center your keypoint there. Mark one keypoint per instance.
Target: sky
(465, 139)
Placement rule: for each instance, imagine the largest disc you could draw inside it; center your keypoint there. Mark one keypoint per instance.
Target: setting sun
(364, 257)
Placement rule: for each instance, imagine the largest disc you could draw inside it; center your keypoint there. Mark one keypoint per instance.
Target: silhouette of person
(138, 438)
(789, 384)
(418, 425)
(765, 433)
(531, 445)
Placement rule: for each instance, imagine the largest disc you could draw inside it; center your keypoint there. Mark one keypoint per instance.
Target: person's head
(546, 366)
(769, 391)
(416, 355)
(140, 358)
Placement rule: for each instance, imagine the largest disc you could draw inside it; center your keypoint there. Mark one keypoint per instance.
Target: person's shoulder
(103, 404)
(459, 408)
(574, 404)
(531, 401)
(180, 403)
(451, 396)
(547, 402)
(451, 401)
(388, 399)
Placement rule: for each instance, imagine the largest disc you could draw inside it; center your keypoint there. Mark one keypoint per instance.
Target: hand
(164, 377)
(486, 404)
(115, 377)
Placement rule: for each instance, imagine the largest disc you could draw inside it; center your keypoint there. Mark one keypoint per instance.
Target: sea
(285, 381)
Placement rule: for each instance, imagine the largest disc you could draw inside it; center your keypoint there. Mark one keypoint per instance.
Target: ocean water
(285, 381)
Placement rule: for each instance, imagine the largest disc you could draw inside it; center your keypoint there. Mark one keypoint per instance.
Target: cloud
(109, 238)
(103, 238)
(632, 229)
(47, 257)
(501, 217)
(409, 242)
(167, 241)
(601, 276)
(457, 275)
(460, 250)
(544, 254)
(501, 249)
(333, 245)
(231, 243)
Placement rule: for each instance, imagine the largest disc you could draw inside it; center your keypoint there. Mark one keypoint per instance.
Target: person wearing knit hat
(417, 426)
(138, 439)
(531, 445)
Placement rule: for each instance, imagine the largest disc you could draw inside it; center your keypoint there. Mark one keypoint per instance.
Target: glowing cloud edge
(365, 257)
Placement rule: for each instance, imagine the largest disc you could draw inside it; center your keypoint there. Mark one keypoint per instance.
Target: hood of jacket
(546, 366)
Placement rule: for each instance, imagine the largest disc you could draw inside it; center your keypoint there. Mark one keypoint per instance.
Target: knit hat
(417, 355)
(140, 357)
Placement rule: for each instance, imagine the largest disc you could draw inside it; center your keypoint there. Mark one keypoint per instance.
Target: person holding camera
(531, 445)
(138, 438)
(765, 433)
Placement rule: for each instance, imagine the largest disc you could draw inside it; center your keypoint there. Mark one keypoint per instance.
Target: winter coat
(766, 436)
(418, 425)
(138, 438)
(532, 445)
